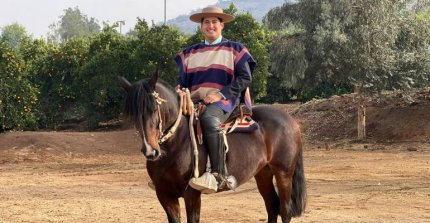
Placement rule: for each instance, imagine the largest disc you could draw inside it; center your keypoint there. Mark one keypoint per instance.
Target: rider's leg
(211, 120)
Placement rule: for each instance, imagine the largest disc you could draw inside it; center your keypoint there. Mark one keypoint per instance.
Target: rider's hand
(211, 98)
(178, 89)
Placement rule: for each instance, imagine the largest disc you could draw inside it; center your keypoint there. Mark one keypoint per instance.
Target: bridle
(186, 107)
(165, 136)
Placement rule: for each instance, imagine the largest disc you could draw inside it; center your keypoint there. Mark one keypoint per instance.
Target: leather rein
(165, 136)
(186, 107)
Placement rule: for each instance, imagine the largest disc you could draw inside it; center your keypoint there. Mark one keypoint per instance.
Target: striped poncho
(205, 69)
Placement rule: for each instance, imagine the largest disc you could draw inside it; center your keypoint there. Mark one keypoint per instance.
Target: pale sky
(37, 15)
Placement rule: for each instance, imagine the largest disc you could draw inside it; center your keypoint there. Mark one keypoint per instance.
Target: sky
(37, 15)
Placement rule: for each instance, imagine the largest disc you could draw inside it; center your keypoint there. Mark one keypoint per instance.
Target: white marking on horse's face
(150, 150)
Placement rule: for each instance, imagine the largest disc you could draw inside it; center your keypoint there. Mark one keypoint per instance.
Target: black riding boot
(215, 148)
(214, 143)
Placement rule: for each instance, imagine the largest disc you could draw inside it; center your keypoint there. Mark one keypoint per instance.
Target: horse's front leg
(171, 207)
(192, 200)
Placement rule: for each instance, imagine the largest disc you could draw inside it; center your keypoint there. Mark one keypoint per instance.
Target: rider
(218, 73)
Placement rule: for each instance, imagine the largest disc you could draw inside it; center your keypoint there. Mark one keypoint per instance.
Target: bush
(18, 95)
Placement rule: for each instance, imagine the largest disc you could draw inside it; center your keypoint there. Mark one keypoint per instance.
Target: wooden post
(361, 112)
(361, 125)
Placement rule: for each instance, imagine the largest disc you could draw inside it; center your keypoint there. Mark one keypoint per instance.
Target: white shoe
(206, 183)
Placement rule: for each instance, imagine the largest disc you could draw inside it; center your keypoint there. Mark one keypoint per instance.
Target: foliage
(412, 51)
(135, 57)
(98, 92)
(156, 48)
(73, 24)
(14, 35)
(54, 69)
(18, 96)
(328, 46)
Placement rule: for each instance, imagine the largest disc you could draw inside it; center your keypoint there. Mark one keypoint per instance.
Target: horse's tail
(299, 194)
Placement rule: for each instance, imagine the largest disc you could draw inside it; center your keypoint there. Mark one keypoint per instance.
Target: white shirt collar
(214, 42)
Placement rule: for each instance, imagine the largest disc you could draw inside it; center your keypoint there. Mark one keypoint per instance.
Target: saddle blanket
(245, 125)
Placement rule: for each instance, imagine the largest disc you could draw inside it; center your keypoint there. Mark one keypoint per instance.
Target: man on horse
(218, 73)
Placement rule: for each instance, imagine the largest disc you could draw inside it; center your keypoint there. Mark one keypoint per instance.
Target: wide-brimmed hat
(211, 11)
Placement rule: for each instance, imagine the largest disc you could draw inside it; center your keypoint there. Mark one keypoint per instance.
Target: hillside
(257, 8)
(390, 117)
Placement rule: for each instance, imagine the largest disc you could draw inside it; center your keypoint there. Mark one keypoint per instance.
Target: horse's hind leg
(265, 186)
(171, 207)
(284, 184)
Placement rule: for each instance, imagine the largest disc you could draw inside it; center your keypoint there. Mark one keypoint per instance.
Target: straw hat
(211, 11)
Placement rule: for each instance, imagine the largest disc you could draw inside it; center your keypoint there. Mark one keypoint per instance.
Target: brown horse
(274, 150)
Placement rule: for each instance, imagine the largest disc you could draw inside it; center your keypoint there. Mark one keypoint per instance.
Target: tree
(53, 68)
(73, 24)
(412, 54)
(156, 48)
(109, 55)
(326, 47)
(18, 96)
(14, 35)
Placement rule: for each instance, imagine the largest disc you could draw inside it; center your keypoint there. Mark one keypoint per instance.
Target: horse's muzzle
(150, 153)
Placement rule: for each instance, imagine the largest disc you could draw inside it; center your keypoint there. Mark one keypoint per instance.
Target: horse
(274, 150)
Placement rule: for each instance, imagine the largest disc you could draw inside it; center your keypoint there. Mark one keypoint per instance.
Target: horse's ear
(124, 83)
(154, 78)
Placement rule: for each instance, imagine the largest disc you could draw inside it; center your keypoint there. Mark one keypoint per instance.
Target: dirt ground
(101, 176)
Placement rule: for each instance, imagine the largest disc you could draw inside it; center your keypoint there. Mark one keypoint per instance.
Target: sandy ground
(101, 177)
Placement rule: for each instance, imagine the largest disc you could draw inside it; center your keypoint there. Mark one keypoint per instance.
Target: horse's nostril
(150, 154)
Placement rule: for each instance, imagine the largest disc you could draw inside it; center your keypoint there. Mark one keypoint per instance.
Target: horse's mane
(140, 103)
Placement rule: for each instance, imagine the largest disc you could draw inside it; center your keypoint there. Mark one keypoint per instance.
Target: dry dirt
(101, 176)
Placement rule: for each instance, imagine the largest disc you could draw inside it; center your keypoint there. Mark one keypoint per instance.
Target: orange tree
(99, 94)
(18, 96)
(55, 72)
(157, 47)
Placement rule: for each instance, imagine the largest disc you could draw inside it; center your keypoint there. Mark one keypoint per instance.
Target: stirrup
(223, 181)
(206, 183)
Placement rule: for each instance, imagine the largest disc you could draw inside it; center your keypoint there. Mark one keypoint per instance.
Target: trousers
(211, 119)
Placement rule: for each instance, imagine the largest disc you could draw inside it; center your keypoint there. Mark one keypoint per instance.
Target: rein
(163, 137)
(186, 107)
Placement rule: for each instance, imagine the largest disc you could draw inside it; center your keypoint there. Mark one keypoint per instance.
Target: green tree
(54, 68)
(109, 55)
(73, 24)
(156, 48)
(19, 96)
(412, 54)
(14, 35)
(326, 47)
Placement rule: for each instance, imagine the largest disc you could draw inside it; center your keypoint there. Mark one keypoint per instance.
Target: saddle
(239, 121)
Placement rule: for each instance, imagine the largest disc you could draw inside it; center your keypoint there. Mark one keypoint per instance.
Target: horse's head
(143, 110)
